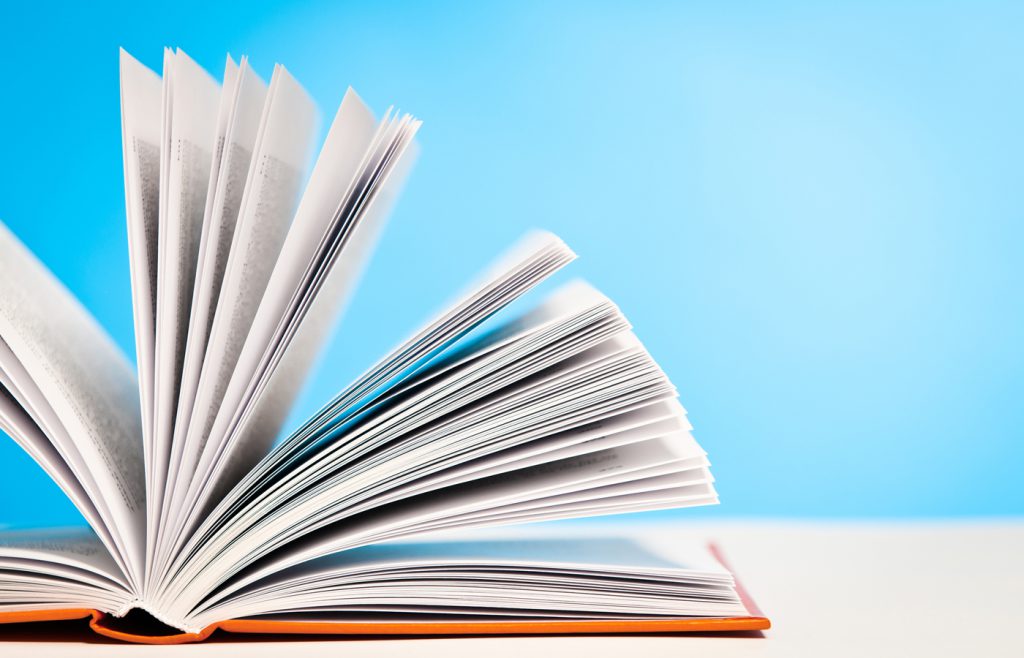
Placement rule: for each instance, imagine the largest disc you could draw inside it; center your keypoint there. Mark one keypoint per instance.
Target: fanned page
(59, 568)
(282, 149)
(141, 130)
(71, 397)
(333, 223)
(241, 109)
(201, 512)
(499, 579)
(189, 122)
(556, 414)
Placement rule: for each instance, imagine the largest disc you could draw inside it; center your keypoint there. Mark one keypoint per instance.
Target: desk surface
(830, 588)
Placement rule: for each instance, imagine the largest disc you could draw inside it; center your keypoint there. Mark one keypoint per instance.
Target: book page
(158, 501)
(141, 102)
(192, 108)
(510, 492)
(280, 350)
(344, 502)
(282, 152)
(57, 568)
(531, 260)
(524, 266)
(511, 577)
(19, 424)
(77, 548)
(647, 422)
(534, 258)
(349, 137)
(86, 380)
(243, 103)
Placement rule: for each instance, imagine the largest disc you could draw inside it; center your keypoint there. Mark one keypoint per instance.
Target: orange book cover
(106, 625)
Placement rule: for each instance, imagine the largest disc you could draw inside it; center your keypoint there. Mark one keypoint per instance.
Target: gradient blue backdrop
(811, 213)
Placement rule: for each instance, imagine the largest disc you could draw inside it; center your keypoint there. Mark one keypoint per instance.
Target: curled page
(60, 567)
(511, 577)
(333, 224)
(141, 98)
(273, 370)
(558, 414)
(282, 151)
(191, 98)
(62, 351)
(21, 426)
(241, 107)
(536, 257)
(77, 548)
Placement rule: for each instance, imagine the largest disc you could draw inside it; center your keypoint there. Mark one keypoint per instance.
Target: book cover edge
(756, 621)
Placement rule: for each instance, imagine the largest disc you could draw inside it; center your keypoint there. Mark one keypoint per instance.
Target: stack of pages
(201, 515)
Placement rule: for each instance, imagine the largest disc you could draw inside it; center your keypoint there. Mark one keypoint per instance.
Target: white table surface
(830, 589)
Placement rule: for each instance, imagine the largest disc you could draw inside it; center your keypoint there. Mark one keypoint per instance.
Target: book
(242, 254)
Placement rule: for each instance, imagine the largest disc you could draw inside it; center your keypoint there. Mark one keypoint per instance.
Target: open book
(242, 254)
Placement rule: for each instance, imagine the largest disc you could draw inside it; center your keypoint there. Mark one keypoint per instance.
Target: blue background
(811, 212)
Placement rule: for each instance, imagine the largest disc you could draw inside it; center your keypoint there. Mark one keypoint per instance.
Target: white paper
(191, 98)
(282, 150)
(242, 102)
(86, 381)
(141, 103)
